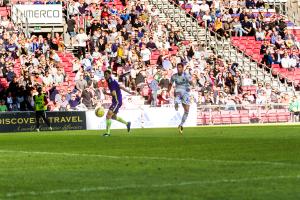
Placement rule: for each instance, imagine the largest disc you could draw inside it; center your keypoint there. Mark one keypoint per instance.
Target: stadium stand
(238, 77)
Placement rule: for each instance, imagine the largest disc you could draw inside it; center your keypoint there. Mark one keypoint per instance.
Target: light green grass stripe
(228, 162)
(107, 188)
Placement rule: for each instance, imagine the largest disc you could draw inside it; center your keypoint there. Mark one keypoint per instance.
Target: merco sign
(42, 13)
(38, 14)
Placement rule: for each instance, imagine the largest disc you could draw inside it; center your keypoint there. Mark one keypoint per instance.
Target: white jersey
(182, 83)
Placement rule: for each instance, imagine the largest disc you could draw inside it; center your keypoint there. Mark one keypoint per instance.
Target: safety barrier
(152, 117)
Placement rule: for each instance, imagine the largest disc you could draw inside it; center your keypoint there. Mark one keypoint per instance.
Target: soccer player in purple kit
(115, 92)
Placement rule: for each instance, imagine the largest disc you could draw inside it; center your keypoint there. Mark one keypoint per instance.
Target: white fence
(145, 117)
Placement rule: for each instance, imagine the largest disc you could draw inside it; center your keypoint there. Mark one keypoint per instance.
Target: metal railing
(180, 18)
(245, 114)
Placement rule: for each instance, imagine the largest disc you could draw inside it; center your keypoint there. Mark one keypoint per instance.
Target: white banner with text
(38, 14)
(145, 117)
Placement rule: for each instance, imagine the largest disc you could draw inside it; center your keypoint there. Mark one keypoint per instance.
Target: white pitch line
(229, 162)
(107, 188)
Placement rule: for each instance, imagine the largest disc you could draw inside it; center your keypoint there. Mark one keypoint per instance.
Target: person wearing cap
(40, 107)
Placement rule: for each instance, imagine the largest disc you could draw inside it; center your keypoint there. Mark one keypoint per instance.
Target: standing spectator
(81, 38)
(71, 25)
(154, 89)
(145, 54)
(87, 96)
(81, 84)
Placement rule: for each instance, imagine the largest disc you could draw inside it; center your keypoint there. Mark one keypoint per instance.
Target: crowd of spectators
(251, 18)
(140, 49)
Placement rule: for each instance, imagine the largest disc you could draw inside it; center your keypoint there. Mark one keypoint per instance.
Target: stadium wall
(145, 117)
(148, 117)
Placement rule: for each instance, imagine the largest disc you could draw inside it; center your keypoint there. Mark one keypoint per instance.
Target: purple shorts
(115, 107)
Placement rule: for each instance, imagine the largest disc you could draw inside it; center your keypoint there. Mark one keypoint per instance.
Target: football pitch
(216, 163)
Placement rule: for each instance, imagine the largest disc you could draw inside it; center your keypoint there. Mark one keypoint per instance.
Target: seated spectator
(3, 107)
(230, 103)
(260, 34)
(47, 79)
(248, 26)
(247, 81)
(64, 105)
(86, 63)
(164, 97)
(151, 44)
(277, 56)
(74, 101)
(10, 74)
(286, 62)
(218, 26)
(207, 18)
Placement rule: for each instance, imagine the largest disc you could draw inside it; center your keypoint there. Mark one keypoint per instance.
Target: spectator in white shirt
(81, 39)
(76, 65)
(204, 8)
(286, 61)
(195, 9)
(59, 77)
(145, 54)
(47, 79)
(247, 81)
(207, 18)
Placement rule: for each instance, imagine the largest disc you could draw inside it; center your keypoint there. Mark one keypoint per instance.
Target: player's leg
(186, 108)
(120, 119)
(46, 120)
(109, 115)
(177, 101)
(37, 120)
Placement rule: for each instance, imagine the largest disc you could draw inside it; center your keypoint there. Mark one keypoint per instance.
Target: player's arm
(126, 90)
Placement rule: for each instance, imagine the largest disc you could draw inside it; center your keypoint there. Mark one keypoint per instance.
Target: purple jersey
(113, 85)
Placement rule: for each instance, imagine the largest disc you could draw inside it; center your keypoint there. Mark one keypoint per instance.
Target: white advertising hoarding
(38, 14)
(145, 117)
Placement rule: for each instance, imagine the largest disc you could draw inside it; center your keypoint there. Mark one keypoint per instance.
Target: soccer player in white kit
(183, 82)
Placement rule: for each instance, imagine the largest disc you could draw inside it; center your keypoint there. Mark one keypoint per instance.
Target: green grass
(216, 163)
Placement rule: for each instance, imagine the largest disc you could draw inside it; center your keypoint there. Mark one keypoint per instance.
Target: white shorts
(182, 98)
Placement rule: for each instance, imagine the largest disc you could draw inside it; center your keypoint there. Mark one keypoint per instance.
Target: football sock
(184, 117)
(119, 119)
(108, 125)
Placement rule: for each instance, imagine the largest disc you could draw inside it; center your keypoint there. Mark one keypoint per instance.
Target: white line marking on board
(108, 188)
(229, 162)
